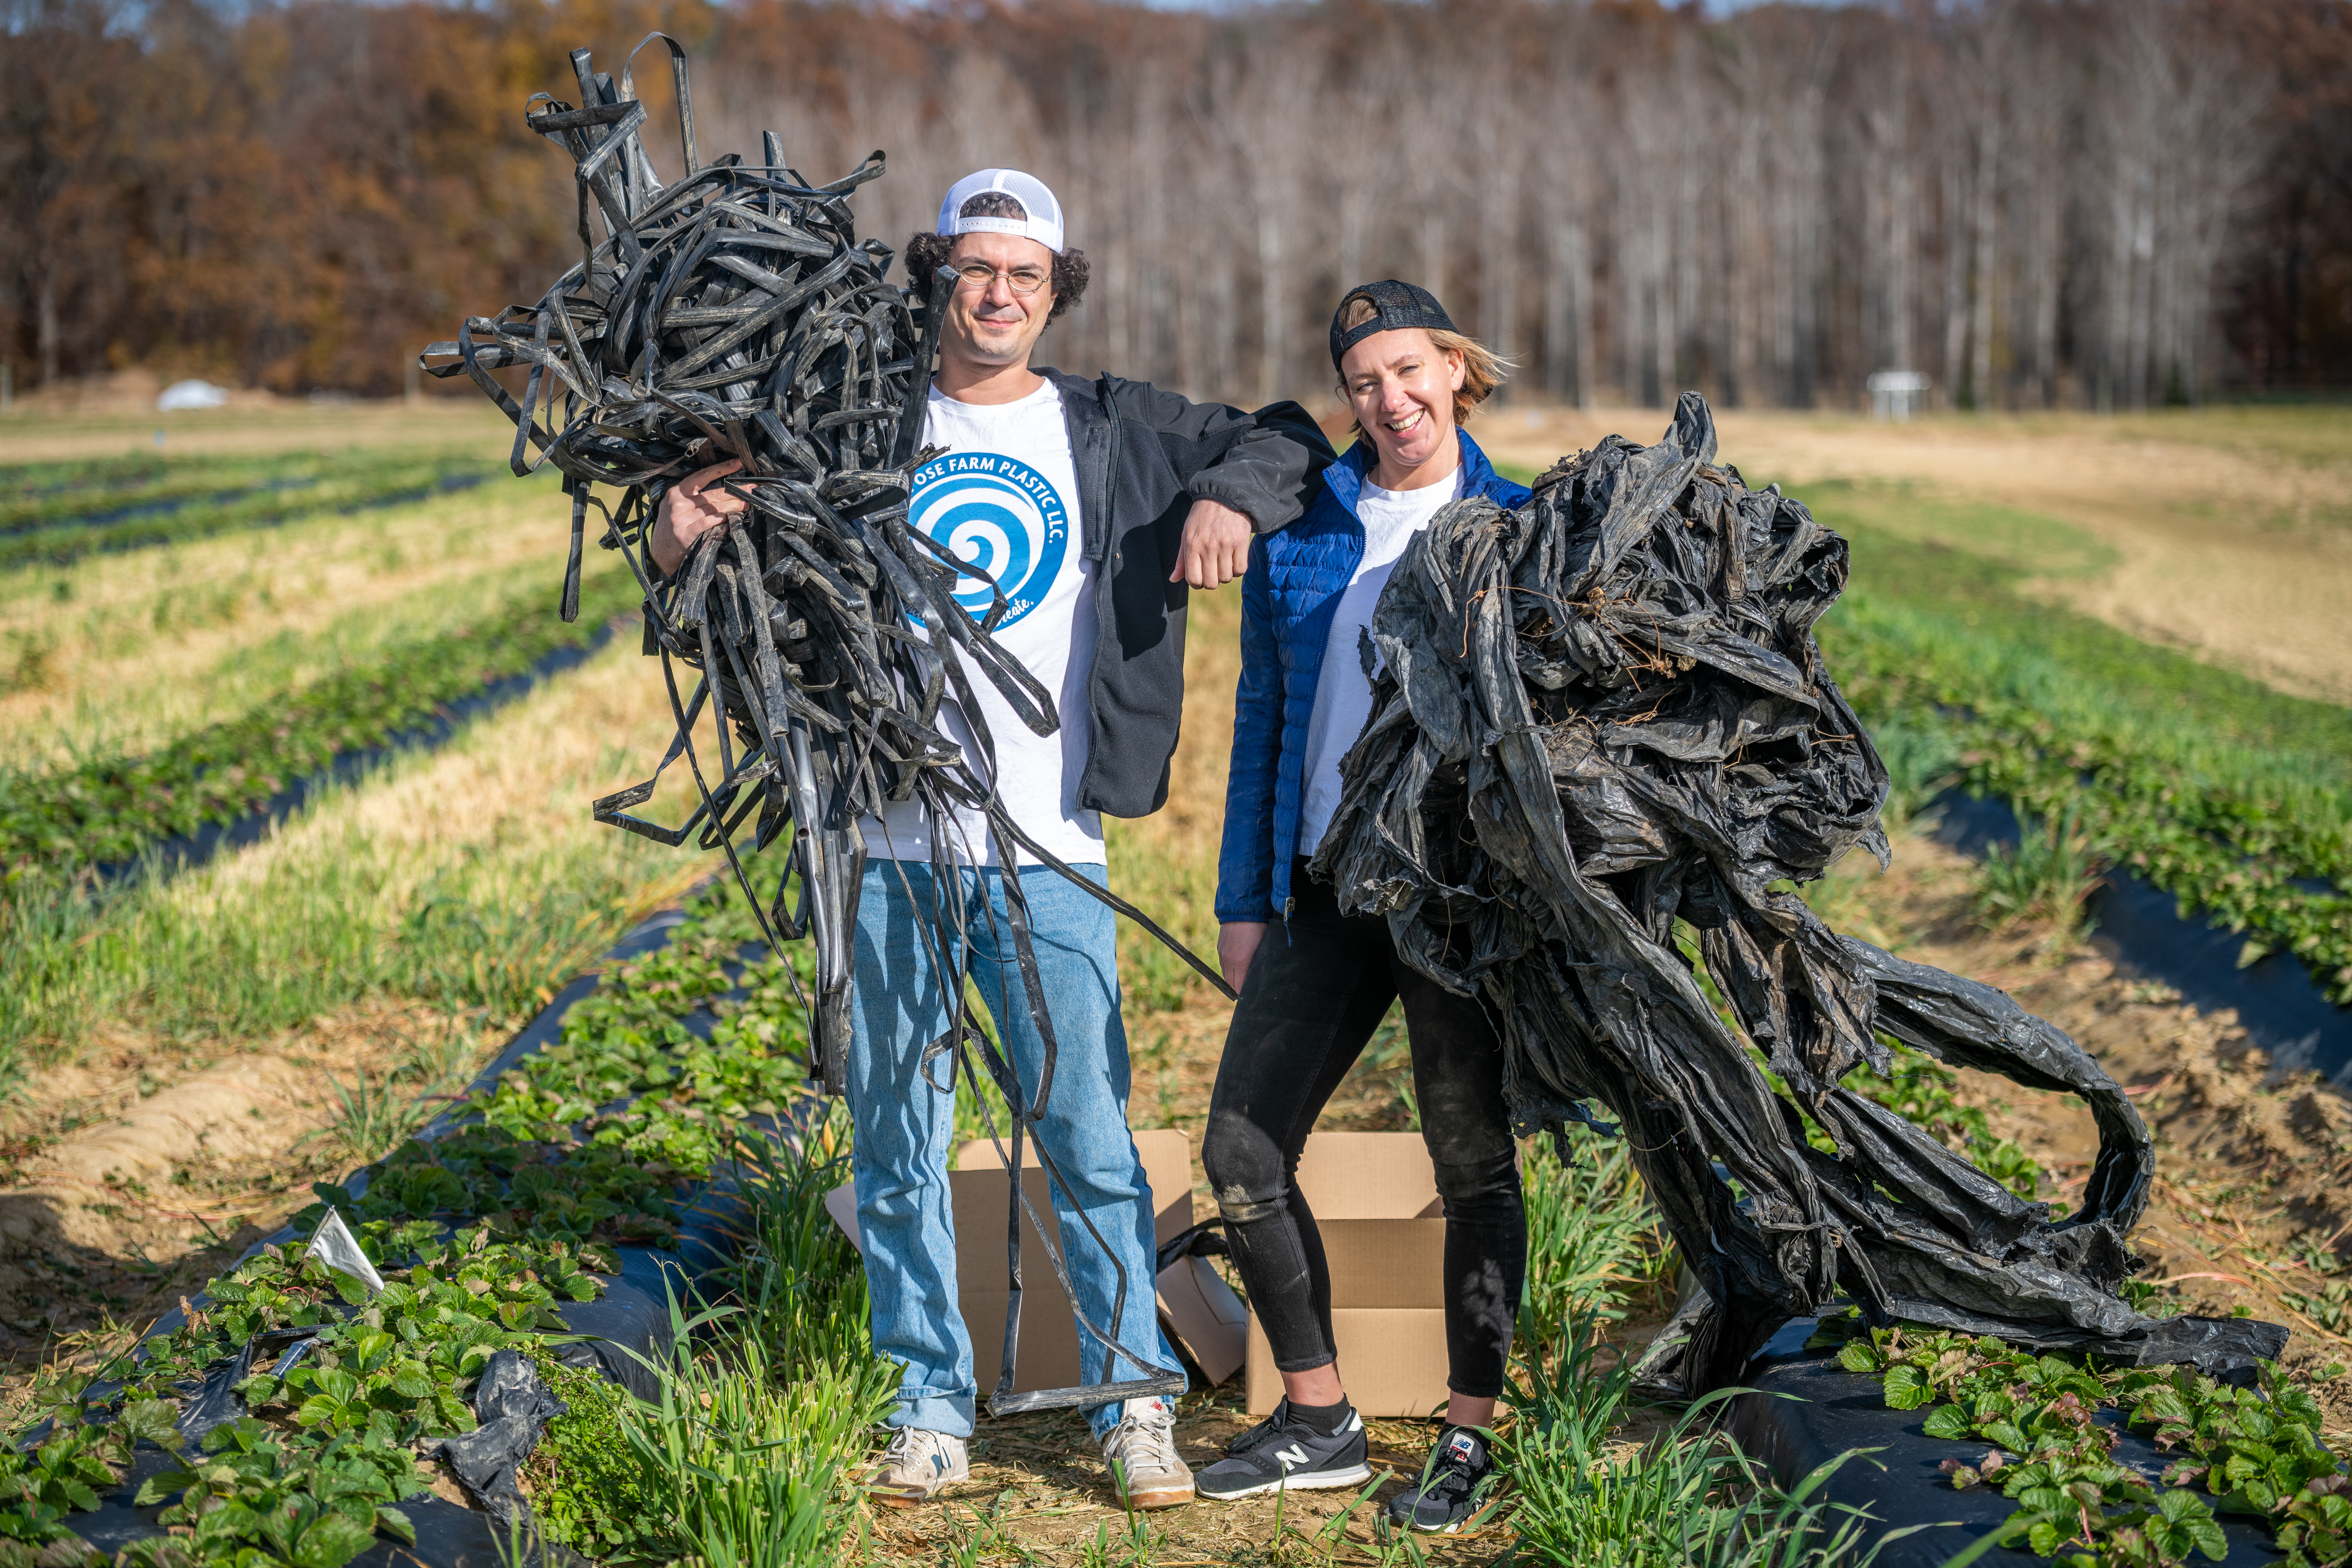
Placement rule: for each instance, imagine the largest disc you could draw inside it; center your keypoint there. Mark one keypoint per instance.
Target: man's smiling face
(993, 324)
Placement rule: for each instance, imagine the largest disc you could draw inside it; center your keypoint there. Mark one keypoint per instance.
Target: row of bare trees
(2104, 202)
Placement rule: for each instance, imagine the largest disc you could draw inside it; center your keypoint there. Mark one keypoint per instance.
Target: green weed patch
(593, 1493)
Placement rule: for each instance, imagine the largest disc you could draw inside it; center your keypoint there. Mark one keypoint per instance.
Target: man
(1094, 505)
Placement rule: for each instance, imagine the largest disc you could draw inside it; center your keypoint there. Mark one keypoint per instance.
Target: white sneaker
(918, 1466)
(1141, 1454)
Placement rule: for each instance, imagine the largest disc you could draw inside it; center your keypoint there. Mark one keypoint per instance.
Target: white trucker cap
(1043, 224)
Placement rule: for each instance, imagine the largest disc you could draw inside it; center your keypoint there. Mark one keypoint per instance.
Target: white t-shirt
(1343, 698)
(1004, 496)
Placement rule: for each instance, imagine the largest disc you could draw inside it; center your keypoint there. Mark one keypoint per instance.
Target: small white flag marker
(335, 1245)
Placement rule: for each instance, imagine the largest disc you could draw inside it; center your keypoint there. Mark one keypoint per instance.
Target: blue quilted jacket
(1295, 579)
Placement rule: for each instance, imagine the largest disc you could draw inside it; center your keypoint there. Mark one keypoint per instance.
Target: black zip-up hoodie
(1143, 457)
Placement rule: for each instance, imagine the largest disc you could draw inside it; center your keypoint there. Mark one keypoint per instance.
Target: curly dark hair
(927, 253)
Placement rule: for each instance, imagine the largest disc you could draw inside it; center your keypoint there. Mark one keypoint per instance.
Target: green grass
(1969, 607)
(336, 922)
(748, 1460)
(133, 690)
(111, 809)
(1595, 1246)
(1687, 1497)
(495, 910)
(2020, 543)
(2233, 797)
(1174, 882)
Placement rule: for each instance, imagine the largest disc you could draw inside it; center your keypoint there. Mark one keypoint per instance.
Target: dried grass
(112, 421)
(474, 872)
(140, 647)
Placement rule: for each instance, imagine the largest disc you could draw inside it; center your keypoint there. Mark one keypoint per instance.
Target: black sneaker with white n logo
(1283, 1451)
(1450, 1488)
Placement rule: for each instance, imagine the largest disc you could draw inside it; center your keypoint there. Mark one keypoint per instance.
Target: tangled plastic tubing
(735, 314)
(1604, 714)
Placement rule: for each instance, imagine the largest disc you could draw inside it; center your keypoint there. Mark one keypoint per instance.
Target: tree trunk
(44, 327)
(1981, 299)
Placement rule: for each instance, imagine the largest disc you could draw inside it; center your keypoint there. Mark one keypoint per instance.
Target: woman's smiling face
(1401, 386)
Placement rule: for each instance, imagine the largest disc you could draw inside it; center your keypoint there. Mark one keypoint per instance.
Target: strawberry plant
(2248, 831)
(574, 1194)
(638, 1073)
(303, 1506)
(2257, 1452)
(482, 1236)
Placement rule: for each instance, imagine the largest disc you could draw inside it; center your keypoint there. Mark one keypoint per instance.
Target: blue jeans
(906, 1127)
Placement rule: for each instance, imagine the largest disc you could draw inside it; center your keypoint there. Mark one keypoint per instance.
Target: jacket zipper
(1111, 480)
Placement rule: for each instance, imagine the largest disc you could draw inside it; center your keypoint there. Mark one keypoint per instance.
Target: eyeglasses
(1024, 280)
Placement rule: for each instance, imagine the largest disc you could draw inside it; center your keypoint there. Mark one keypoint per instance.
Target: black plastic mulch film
(1604, 713)
(735, 314)
(621, 1335)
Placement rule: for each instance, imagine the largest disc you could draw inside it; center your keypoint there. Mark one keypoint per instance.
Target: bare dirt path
(2254, 1194)
(2234, 534)
(135, 1174)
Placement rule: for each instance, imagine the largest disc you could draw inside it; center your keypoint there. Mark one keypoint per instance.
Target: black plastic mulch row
(1805, 1410)
(2278, 1004)
(630, 1320)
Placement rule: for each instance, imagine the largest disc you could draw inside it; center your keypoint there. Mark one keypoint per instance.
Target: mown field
(190, 1036)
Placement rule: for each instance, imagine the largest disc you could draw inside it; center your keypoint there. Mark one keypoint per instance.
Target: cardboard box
(1375, 1200)
(1195, 1306)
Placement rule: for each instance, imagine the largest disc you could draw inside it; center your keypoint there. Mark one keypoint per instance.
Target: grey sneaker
(1141, 1455)
(1280, 1453)
(1451, 1487)
(918, 1466)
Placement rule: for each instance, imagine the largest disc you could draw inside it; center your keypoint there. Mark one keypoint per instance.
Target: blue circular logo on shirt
(997, 516)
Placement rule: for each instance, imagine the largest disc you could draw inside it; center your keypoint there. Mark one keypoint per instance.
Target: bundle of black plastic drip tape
(734, 314)
(1604, 713)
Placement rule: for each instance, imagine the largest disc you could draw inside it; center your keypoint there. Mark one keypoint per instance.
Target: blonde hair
(1483, 369)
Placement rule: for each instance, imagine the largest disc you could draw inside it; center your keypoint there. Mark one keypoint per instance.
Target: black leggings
(1318, 988)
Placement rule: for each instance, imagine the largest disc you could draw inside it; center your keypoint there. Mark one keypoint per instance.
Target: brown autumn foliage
(2094, 202)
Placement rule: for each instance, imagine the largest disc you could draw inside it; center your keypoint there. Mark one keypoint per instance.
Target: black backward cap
(1400, 305)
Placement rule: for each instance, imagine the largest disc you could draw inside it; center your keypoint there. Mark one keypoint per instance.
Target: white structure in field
(182, 395)
(1895, 394)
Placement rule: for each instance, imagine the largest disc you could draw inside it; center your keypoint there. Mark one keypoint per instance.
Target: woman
(1314, 982)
